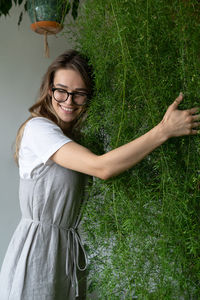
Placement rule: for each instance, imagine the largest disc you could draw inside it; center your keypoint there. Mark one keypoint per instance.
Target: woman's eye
(62, 91)
(79, 95)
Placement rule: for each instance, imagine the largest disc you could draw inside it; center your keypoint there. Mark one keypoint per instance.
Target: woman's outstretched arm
(174, 123)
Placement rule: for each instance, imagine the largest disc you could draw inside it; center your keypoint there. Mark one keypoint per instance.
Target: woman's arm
(175, 123)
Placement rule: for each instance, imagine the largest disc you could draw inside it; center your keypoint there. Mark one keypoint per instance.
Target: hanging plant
(47, 16)
(6, 5)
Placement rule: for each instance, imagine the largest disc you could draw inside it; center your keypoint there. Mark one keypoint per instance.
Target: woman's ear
(50, 92)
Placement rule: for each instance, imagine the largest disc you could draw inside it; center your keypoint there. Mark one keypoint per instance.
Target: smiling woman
(46, 258)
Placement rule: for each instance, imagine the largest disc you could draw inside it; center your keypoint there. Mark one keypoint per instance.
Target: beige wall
(22, 64)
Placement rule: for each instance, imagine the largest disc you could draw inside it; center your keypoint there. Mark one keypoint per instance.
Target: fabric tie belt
(72, 254)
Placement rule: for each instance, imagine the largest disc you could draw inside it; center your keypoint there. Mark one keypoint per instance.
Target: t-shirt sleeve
(43, 137)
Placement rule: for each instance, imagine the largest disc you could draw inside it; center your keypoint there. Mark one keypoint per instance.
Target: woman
(43, 258)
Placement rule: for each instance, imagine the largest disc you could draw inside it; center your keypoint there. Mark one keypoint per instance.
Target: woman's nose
(69, 99)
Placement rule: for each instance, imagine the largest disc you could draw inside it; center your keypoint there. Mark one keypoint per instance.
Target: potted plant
(47, 16)
(6, 5)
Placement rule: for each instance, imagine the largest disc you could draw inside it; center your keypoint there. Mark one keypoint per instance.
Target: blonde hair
(43, 107)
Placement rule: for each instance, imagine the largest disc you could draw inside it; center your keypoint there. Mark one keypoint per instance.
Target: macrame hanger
(45, 28)
(46, 46)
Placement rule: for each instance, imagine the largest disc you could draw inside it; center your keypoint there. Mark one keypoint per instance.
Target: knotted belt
(72, 253)
(74, 243)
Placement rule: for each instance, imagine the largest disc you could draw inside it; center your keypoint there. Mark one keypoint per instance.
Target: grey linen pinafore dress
(43, 257)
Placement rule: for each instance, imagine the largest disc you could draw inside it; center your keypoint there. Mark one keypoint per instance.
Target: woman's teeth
(67, 109)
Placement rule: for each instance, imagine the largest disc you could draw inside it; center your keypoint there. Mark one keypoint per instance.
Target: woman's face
(70, 81)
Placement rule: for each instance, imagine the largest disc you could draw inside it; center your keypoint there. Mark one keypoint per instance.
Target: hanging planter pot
(47, 16)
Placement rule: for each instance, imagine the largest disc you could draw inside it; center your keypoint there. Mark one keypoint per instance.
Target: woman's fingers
(196, 117)
(192, 120)
(177, 101)
(193, 110)
(192, 117)
(194, 132)
(180, 122)
(195, 124)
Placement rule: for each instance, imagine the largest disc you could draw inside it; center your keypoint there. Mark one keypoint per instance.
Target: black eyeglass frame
(72, 94)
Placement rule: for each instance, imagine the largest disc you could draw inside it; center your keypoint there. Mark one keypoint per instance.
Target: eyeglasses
(78, 98)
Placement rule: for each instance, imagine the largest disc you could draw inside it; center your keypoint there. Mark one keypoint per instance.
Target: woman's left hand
(180, 122)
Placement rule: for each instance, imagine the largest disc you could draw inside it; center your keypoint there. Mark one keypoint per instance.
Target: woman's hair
(70, 59)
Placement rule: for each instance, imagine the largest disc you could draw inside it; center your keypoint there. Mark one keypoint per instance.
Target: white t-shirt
(41, 139)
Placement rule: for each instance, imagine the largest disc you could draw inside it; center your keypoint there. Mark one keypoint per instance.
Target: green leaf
(20, 2)
(68, 8)
(5, 6)
(26, 6)
(20, 19)
(75, 6)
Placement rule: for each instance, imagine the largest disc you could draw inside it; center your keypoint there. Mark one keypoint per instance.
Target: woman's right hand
(180, 122)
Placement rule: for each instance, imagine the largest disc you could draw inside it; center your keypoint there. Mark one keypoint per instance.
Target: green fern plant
(143, 226)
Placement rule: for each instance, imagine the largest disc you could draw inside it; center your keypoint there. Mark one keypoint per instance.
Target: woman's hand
(180, 122)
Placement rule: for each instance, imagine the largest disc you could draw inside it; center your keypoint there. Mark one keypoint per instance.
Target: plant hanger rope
(48, 16)
(46, 45)
(44, 27)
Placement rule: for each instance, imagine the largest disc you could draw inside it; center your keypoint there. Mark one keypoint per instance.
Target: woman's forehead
(69, 78)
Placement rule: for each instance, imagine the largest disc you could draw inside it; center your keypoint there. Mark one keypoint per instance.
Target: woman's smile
(67, 109)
